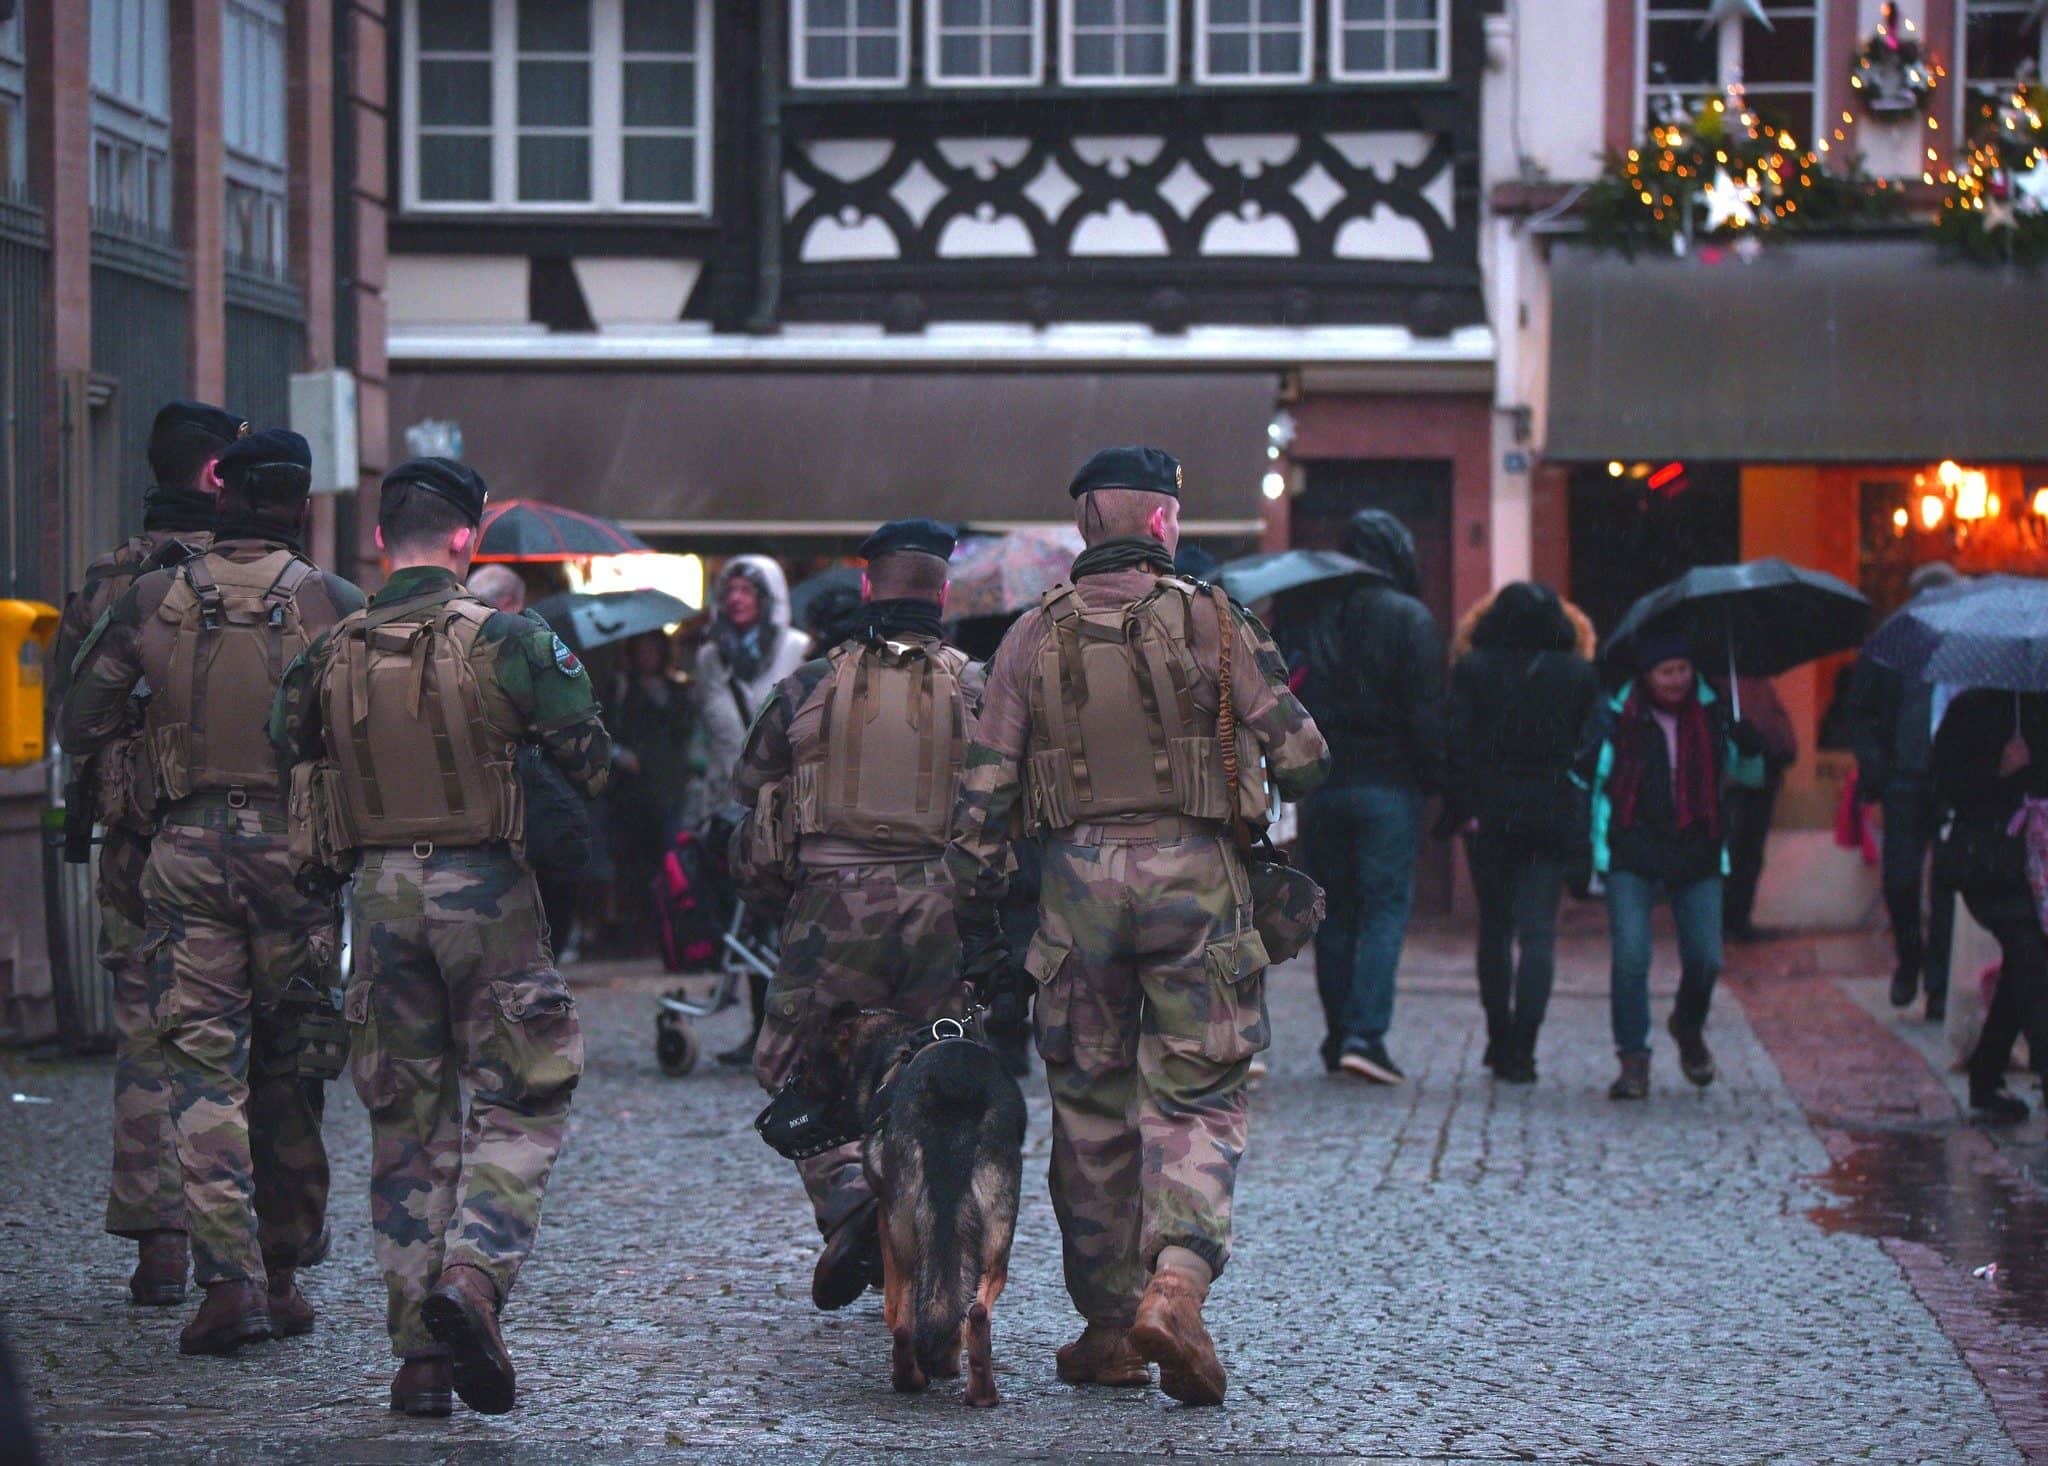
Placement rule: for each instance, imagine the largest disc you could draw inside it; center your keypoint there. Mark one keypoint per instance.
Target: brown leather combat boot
(1102, 1356)
(1169, 1332)
(462, 1313)
(233, 1314)
(424, 1387)
(161, 1264)
(290, 1313)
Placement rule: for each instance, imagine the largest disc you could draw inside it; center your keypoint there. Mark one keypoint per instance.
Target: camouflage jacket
(545, 685)
(106, 580)
(1297, 758)
(785, 734)
(112, 661)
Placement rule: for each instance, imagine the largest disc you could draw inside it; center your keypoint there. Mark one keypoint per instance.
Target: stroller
(706, 931)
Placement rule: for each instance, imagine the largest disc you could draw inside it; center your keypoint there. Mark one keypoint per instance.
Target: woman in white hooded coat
(751, 648)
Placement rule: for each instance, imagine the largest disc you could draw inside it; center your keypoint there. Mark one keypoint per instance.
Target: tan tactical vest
(232, 627)
(1115, 726)
(417, 754)
(892, 740)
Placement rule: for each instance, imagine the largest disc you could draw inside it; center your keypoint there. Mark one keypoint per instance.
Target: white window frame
(1440, 72)
(1966, 85)
(1257, 78)
(938, 79)
(135, 122)
(607, 129)
(263, 170)
(799, 33)
(1072, 78)
(1729, 70)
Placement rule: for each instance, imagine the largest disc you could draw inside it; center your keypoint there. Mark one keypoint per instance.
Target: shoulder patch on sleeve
(565, 660)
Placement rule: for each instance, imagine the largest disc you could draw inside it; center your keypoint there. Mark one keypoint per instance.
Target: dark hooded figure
(1372, 678)
(1519, 699)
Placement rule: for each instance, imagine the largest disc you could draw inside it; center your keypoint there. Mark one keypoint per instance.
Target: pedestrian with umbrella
(1990, 768)
(1372, 679)
(1656, 757)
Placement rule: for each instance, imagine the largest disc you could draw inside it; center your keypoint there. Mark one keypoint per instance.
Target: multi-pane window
(1389, 40)
(2004, 42)
(253, 132)
(1688, 55)
(558, 104)
(1253, 40)
(131, 112)
(849, 43)
(1111, 41)
(985, 42)
(13, 109)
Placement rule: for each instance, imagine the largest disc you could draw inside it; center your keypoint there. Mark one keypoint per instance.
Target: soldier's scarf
(245, 525)
(177, 510)
(1126, 552)
(905, 617)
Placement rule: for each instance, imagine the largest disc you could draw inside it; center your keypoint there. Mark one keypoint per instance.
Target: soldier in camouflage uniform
(850, 775)
(401, 728)
(146, 1200)
(227, 932)
(1101, 713)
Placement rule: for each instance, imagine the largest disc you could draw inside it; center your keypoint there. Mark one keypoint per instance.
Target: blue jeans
(1359, 842)
(1696, 908)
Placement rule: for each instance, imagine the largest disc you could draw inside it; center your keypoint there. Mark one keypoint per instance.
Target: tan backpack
(416, 756)
(892, 738)
(1116, 729)
(234, 627)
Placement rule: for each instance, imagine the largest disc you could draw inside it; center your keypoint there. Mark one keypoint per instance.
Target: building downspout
(767, 317)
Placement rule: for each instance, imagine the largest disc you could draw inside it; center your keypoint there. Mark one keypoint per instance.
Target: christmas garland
(1715, 172)
(1995, 209)
(1889, 71)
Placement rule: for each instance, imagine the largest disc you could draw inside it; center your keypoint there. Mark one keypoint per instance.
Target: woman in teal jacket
(1654, 757)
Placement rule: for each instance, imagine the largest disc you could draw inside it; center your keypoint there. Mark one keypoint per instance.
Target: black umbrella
(526, 530)
(832, 582)
(1990, 633)
(1255, 577)
(588, 622)
(1758, 619)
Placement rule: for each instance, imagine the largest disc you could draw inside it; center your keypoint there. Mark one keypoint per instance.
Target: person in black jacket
(1985, 767)
(1893, 723)
(1519, 700)
(1372, 666)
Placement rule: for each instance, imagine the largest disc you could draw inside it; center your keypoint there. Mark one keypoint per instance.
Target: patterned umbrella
(588, 622)
(1990, 633)
(1002, 575)
(526, 530)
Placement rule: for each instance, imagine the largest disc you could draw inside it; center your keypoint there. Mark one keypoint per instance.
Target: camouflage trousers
(455, 992)
(1150, 1005)
(147, 1189)
(227, 934)
(882, 936)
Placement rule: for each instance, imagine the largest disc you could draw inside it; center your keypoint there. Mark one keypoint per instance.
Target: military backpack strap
(278, 606)
(1063, 608)
(436, 713)
(1226, 717)
(196, 644)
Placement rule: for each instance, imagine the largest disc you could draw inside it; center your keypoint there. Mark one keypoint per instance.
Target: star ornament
(1725, 10)
(1727, 203)
(1998, 214)
(2032, 187)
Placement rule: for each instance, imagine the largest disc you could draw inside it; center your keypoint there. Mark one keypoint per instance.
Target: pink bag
(2030, 823)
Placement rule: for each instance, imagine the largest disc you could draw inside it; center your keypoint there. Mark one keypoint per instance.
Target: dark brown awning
(836, 451)
(1867, 351)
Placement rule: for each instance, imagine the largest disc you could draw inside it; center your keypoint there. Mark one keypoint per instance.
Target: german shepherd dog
(943, 1148)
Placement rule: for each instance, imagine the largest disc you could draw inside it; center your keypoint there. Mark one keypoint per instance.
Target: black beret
(184, 434)
(272, 445)
(1149, 469)
(459, 484)
(909, 536)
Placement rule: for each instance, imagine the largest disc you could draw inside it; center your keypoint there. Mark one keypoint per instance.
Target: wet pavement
(1776, 1268)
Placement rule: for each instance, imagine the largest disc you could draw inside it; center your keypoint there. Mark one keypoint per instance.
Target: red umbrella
(526, 530)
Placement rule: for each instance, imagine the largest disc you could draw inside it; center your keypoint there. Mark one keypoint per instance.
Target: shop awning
(1867, 351)
(833, 452)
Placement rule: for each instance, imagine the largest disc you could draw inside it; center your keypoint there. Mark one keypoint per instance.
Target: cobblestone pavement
(1453, 1270)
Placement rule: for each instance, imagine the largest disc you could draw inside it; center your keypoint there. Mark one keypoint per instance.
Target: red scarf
(1695, 783)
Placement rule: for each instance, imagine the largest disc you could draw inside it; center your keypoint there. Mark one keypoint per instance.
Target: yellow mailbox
(25, 631)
